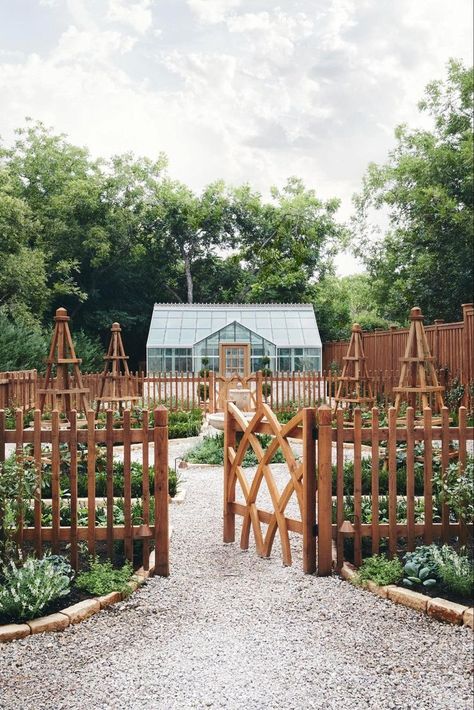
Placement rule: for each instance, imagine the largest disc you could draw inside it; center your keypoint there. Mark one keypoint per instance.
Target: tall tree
(426, 192)
(193, 226)
(287, 244)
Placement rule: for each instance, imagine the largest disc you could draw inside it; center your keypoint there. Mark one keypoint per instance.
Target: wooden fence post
(259, 392)
(229, 486)
(160, 440)
(212, 391)
(309, 491)
(324, 491)
(467, 355)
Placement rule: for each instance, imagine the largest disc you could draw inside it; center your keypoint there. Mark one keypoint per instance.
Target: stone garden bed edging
(440, 609)
(76, 613)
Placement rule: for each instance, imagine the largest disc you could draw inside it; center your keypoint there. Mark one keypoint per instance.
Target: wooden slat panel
(19, 460)
(375, 482)
(410, 480)
(427, 475)
(109, 472)
(340, 484)
(392, 480)
(357, 488)
(91, 458)
(161, 492)
(445, 441)
(55, 470)
(265, 517)
(145, 488)
(74, 553)
(127, 486)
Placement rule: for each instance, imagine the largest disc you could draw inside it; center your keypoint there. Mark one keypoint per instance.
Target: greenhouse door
(234, 360)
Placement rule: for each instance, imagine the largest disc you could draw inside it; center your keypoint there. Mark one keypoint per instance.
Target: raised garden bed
(436, 607)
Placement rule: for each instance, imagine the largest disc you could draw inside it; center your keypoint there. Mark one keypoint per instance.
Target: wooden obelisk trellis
(58, 385)
(418, 380)
(116, 383)
(355, 386)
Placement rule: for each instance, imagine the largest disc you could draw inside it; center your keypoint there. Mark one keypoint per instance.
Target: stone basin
(216, 420)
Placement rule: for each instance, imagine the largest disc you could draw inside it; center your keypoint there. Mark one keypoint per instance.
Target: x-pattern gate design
(301, 483)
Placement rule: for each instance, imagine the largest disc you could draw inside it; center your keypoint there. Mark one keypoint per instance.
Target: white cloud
(212, 11)
(90, 46)
(137, 15)
(311, 89)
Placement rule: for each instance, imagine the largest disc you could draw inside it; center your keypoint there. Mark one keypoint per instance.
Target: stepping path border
(436, 607)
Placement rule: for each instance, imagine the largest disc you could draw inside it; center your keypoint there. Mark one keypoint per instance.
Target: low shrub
(420, 567)
(456, 489)
(443, 567)
(182, 424)
(455, 571)
(102, 578)
(211, 450)
(29, 586)
(380, 570)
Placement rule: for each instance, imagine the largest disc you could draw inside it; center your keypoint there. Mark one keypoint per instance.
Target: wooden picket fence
(186, 391)
(59, 447)
(451, 345)
(18, 388)
(323, 519)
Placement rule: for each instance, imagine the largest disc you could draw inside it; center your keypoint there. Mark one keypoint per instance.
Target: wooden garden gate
(267, 496)
(375, 502)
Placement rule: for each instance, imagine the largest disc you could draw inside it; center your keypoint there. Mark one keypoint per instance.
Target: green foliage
(431, 566)
(182, 424)
(211, 451)
(285, 415)
(456, 571)
(17, 485)
(380, 570)
(425, 256)
(420, 567)
(454, 395)
(287, 244)
(91, 351)
(29, 586)
(456, 489)
(102, 578)
(366, 471)
(22, 347)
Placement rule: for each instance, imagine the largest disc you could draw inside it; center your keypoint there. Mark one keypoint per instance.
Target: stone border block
(52, 622)
(11, 632)
(468, 618)
(377, 589)
(108, 599)
(445, 610)
(413, 600)
(348, 571)
(82, 610)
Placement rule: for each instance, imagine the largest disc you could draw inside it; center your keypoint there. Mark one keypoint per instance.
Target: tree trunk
(189, 277)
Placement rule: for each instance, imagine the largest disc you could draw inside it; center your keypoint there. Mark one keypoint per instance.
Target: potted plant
(204, 386)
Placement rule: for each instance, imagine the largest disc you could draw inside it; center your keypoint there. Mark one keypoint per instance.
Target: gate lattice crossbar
(301, 483)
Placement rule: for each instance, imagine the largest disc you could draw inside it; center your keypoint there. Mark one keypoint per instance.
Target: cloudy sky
(247, 90)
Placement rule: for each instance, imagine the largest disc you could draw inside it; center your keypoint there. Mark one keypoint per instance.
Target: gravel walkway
(229, 630)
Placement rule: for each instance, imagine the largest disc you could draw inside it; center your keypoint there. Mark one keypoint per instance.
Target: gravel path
(229, 630)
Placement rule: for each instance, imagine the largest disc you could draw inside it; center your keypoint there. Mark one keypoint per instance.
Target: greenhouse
(233, 338)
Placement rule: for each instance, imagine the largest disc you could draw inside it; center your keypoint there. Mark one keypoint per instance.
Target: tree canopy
(425, 189)
(108, 238)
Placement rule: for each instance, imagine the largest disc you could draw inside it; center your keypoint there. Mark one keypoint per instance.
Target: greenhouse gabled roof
(183, 325)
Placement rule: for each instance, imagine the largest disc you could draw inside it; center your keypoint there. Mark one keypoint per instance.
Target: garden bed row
(436, 607)
(60, 620)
